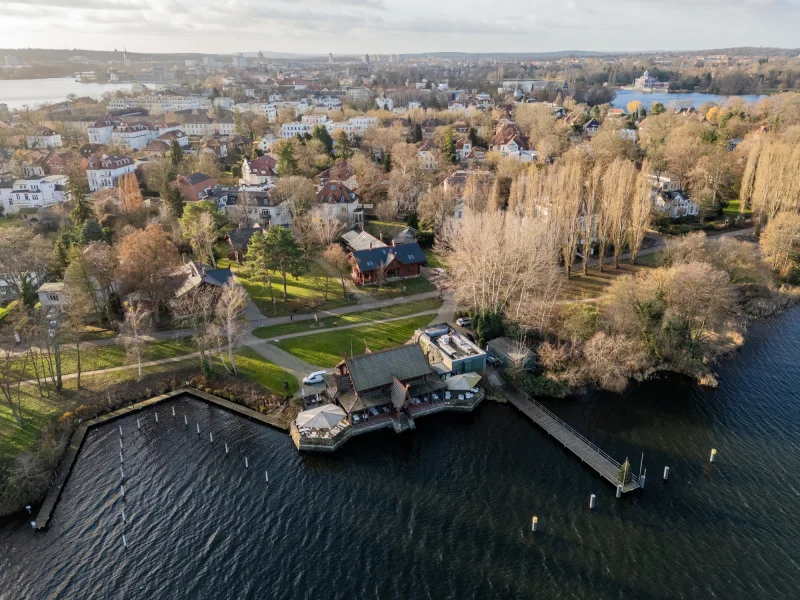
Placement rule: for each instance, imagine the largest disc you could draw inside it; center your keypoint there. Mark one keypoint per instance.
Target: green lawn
(327, 349)
(257, 369)
(10, 222)
(733, 209)
(389, 229)
(434, 261)
(389, 312)
(104, 357)
(38, 411)
(303, 296)
(395, 289)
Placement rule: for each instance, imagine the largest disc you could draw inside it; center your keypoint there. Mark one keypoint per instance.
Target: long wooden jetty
(588, 452)
(68, 460)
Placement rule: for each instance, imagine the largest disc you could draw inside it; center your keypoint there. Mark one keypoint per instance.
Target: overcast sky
(397, 26)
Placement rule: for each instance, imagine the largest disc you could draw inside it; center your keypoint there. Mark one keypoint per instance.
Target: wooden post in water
(210, 437)
(198, 429)
(156, 417)
(124, 541)
(226, 448)
(185, 421)
(666, 473)
(173, 411)
(138, 425)
(592, 501)
(246, 465)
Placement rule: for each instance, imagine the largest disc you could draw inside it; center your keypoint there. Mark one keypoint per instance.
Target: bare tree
(337, 258)
(641, 211)
(230, 312)
(24, 257)
(135, 326)
(195, 310)
(780, 238)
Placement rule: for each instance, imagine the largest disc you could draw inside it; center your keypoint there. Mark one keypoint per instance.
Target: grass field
(257, 369)
(395, 289)
(327, 349)
(303, 296)
(10, 222)
(38, 412)
(433, 260)
(389, 229)
(104, 357)
(399, 310)
(595, 284)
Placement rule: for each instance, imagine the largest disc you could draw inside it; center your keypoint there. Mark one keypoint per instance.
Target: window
(52, 297)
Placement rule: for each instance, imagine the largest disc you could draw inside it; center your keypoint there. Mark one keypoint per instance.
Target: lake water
(679, 100)
(443, 512)
(17, 93)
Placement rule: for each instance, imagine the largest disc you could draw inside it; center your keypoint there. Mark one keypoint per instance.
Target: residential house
(33, 192)
(51, 296)
(341, 172)
(32, 163)
(239, 238)
(337, 201)
(58, 162)
(104, 170)
(259, 172)
(670, 199)
(387, 263)
(100, 131)
(591, 126)
(508, 140)
(246, 206)
(215, 146)
(198, 276)
(426, 155)
(43, 137)
(463, 148)
(193, 187)
(266, 142)
(361, 240)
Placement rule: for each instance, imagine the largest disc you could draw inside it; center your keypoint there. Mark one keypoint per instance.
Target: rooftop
(450, 342)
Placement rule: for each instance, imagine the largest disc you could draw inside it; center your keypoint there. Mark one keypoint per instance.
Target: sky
(397, 26)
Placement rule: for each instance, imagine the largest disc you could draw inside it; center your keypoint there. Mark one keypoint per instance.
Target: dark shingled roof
(378, 369)
(241, 237)
(405, 254)
(197, 177)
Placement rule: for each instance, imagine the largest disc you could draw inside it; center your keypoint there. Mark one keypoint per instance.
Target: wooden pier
(589, 453)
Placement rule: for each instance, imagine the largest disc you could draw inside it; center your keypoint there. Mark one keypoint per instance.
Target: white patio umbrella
(321, 417)
(467, 381)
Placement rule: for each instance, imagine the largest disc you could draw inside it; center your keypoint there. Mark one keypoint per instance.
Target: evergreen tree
(321, 134)
(343, 150)
(473, 137)
(254, 153)
(91, 232)
(172, 200)
(449, 144)
(287, 162)
(175, 153)
(416, 135)
(387, 162)
(82, 208)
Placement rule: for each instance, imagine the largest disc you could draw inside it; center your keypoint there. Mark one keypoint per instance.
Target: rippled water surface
(443, 512)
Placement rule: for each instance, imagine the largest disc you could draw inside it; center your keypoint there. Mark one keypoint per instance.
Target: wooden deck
(607, 466)
(68, 460)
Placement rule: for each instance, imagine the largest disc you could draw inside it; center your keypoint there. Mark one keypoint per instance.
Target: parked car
(494, 362)
(313, 378)
(463, 322)
(470, 337)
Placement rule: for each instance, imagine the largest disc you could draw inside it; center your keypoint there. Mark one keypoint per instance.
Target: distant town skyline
(394, 27)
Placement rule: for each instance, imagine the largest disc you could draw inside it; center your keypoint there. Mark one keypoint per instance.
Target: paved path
(344, 310)
(341, 327)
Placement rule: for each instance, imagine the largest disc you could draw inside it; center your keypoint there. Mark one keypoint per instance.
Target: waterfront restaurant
(384, 382)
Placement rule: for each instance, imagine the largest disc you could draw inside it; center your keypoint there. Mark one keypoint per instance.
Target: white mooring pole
(666, 473)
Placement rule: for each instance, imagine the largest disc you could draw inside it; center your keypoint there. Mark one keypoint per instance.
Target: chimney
(370, 245)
